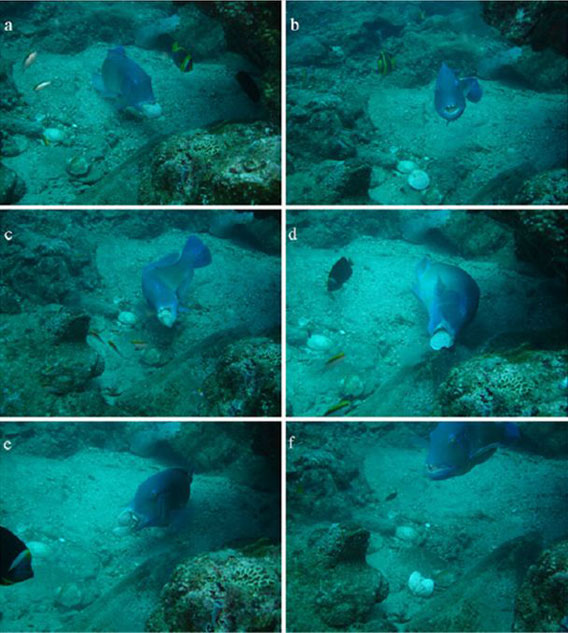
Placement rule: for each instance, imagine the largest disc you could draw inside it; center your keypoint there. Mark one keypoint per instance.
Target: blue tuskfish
(126, 83)
(451, 297)
(451, 92)
(456, 447)
(160, 498)
(165, 282)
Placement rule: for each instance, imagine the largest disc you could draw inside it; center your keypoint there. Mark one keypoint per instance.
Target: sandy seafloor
(68, 507)
(458, 522)
(95, 128)
(513, 132)
(378, 323)
(234, 298)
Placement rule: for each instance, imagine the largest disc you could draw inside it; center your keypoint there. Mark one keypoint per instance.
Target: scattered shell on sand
(406, 533)
(78, 166)
(39, 549)
(127, 318)
(319, 342)
(419, 585)
(351, 386)
(53, 135)
(68, 595)
(418, 180)
(406, 166)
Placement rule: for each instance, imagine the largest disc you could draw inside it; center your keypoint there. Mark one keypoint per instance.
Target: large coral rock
(541, 237)
(541, 601)
(546, 188)
(49, 269)
(12, 187)
(521, 383)
(540, 24)
(546, 438)
(253, 29)
(225, 591)
(50, 369)
(9, 95)
(238, 164)
(329, 578)
(246, 381)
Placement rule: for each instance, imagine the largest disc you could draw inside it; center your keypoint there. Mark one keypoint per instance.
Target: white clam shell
(419, 585)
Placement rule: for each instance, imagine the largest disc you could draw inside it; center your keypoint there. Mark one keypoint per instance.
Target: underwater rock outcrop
(340, 172)
(540, 603)
(330, 578)
(12, 187)
(545, 438)
(540, 24)
(9, 94)
(524, 382)
(238, 164)
(48, 370)
(320, 482)
(45, 269)
(540, 237)
(246, 381)
(253, 29)
(222, 591)
(546, 188)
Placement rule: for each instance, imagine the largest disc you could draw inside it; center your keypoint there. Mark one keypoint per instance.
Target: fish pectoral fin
(162, 509)
(483, 454)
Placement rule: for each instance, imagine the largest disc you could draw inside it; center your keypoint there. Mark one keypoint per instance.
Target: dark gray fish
(249, 85)
(15, 559)
(339, 273)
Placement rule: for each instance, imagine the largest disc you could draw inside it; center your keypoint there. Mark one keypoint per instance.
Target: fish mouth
(451, 108)
(440, 472)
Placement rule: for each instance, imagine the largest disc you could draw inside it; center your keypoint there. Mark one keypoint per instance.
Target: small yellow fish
(337, 407)
(182, 58)
(95, 334)
(386, 63)
(29, 59)
(41, 85)
(334, 359)
(114, 347)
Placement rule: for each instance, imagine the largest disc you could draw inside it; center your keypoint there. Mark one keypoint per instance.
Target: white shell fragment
(406, 166)
(127, 318)
(418, 180)
(319, 342)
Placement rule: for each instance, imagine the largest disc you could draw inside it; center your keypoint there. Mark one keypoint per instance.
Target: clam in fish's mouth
(439, 472)
(451, 108)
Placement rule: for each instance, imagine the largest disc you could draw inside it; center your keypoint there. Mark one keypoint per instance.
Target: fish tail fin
(423, 266)
(118, 50)
(196, 252)
(512, 433)
(472, 89)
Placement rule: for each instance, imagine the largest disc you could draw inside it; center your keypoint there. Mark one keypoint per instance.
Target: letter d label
(292, 235)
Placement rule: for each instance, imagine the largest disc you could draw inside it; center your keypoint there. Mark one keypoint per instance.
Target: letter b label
(294, 25)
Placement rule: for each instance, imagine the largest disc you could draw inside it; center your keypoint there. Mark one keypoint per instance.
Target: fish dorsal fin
(440, 287)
